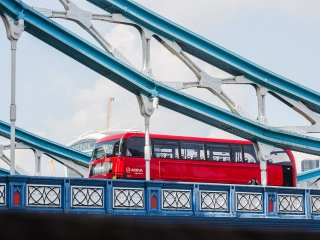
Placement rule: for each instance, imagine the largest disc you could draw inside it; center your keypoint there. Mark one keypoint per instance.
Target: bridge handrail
(114, 197)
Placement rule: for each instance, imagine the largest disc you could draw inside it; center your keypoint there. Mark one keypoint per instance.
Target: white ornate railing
(214, 201)
(2, 194)
(128, 198)
(156, 198)
(92, 197)
(249, 202)
(176, 199)
(43, 195)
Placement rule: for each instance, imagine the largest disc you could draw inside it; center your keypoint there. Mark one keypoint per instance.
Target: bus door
(133, 158)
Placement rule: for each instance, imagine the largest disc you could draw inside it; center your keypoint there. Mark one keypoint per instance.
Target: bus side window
(163, 148)
(192, 150)
(249, 154)
(134, 147)
(218, 152)
(236, 153)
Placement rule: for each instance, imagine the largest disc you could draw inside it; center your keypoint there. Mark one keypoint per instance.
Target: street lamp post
(14, 30)
(147, 107)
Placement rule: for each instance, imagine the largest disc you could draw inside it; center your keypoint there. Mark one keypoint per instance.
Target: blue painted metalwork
(210, 52)
(145, 198)
(45, 145)
(4, 171)
(313, 174)
(134, 81)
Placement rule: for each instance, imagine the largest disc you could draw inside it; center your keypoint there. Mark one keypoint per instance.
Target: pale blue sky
(60, 99)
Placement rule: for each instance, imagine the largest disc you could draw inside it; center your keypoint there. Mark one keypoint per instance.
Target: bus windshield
(106, 149)
(278, 156)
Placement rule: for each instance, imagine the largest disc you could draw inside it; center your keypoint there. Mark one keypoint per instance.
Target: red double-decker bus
(188, 159)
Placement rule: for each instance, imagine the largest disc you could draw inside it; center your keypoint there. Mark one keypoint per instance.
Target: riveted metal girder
(138, 83)
(47, 146)
(210, 52)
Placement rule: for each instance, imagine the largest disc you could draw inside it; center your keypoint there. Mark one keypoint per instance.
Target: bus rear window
(106, 149)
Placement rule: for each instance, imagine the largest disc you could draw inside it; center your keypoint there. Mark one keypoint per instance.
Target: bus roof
(175, 137)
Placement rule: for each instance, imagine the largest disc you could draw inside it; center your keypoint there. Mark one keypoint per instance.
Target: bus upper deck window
(236, 153)
(192, 150)
(218, 152)
(163, 148)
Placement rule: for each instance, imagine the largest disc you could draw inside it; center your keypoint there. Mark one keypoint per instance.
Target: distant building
(85, 143)
(309, 164)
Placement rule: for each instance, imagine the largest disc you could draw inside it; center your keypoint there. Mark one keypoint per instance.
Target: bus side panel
(134, 167)
(200, 171)
(117, 169)
(218, 172)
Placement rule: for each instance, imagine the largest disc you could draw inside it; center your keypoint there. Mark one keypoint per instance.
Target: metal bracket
(209, 82)
(14, 29)
(21, 145)
(37, 155)
(146, 37)
(84, 19)
(261, 93)
(304, 111)
(147, 105)
(1, 150)
(78, 15)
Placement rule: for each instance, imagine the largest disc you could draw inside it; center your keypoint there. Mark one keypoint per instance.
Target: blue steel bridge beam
(210, 52)
(136, 82)
(50, 148)
(310, 175)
